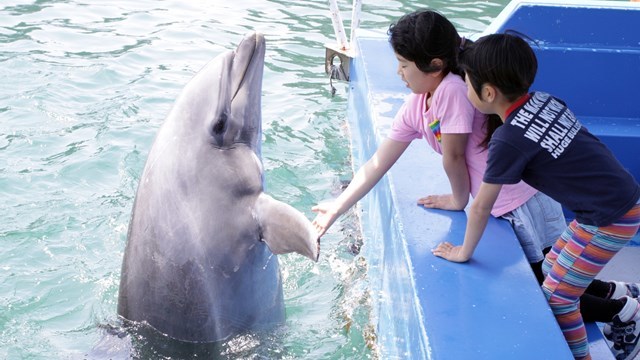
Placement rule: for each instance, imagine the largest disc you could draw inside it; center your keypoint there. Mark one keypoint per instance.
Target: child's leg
(599, 309)
(601, 289)
(576, 258)
(596, 303)
(551, 256)
(569, 276)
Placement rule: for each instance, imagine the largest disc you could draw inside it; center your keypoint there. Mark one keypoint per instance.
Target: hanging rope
(336, 72)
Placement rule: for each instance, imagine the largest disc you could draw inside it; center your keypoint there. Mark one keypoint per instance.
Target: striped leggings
(573, 262)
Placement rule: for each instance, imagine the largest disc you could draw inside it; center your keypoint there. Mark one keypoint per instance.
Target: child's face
(418, 81)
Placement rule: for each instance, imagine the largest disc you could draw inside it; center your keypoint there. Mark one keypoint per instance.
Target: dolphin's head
(239, 120)
(225, 96)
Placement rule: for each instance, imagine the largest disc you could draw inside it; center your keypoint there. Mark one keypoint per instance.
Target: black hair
(493, 122)
(505, 61)
(424, 35)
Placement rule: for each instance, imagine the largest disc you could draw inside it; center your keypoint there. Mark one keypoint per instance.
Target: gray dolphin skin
(199, 263)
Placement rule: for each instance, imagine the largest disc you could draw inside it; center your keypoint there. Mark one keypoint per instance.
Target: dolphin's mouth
(248, 63)
(238, 117)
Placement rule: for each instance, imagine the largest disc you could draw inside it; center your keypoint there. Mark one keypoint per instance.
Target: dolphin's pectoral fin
(286, 229)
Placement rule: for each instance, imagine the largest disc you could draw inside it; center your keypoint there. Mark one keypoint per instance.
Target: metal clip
(339, 71)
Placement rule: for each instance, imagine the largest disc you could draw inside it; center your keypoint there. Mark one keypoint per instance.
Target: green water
(84, 87)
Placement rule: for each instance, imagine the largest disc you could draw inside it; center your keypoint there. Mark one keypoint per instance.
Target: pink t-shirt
(452, 113)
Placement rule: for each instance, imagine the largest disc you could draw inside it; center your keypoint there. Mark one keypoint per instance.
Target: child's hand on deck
(444, 202)
(450, 252)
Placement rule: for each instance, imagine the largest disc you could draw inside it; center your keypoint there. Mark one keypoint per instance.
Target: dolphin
(199, 262)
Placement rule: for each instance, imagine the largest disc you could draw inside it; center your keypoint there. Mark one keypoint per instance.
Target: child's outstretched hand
(450, 252)
(444, 202)
(327, 215)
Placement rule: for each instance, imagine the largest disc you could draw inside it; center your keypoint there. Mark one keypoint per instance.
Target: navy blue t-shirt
(542, 143)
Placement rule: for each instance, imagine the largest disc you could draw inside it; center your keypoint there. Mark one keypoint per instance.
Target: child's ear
(489, 93)
(438, 64)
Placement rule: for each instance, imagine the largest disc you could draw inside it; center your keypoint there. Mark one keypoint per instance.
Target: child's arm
(364, 180)
(455, 165)
(479, 213)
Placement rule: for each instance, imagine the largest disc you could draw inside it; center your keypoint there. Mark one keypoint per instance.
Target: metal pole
(355, 19)
(338, 28)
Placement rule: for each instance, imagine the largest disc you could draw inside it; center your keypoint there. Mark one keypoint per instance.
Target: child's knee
(560, 306)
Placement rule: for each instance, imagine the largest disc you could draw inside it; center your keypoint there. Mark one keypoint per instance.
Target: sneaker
(624, 335)
(629, 289)
(633, 289)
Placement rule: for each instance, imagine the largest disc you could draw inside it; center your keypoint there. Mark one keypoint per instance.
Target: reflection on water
(143, 342)
(85, 87)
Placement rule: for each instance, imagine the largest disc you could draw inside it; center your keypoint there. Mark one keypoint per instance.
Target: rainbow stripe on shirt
(435, 127)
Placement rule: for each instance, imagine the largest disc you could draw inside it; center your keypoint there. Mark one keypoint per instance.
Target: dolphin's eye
(219, 126)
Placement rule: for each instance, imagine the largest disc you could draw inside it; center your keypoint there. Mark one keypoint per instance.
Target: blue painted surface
(491, 307)
(598, 346)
